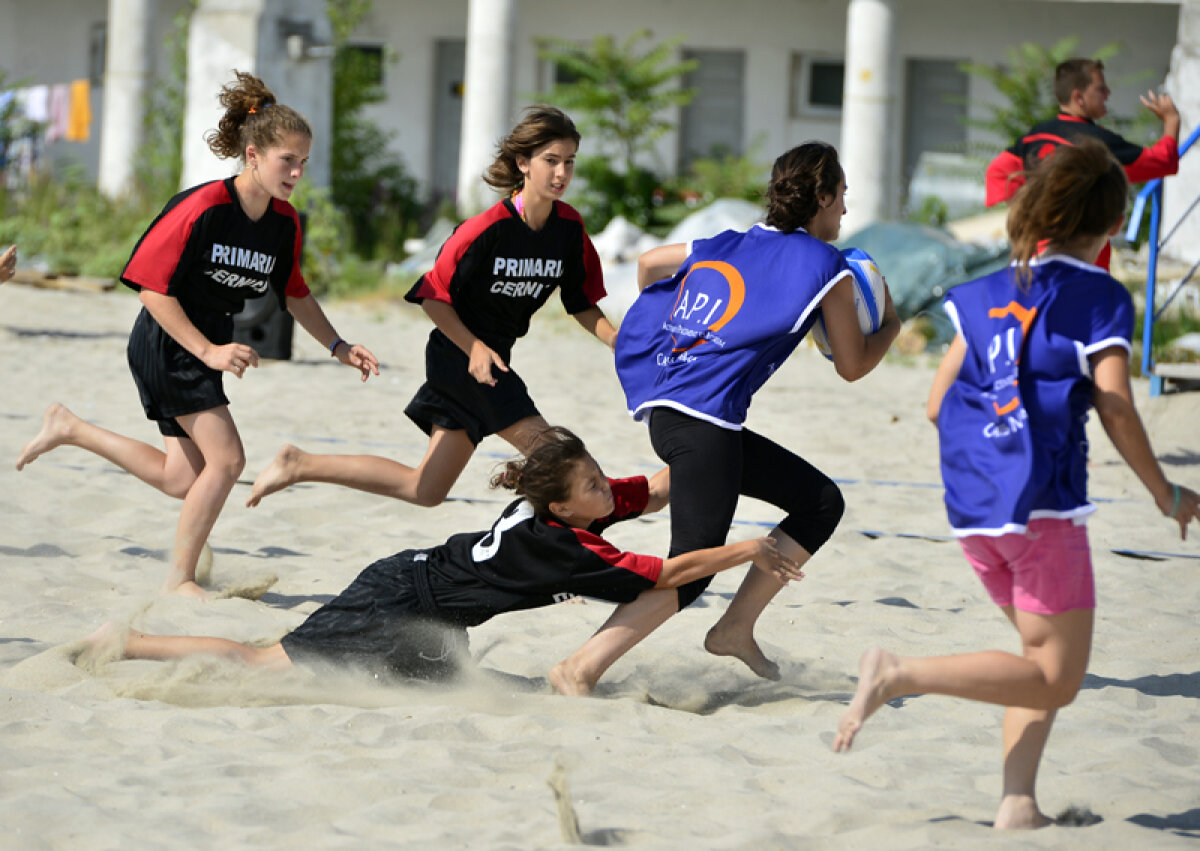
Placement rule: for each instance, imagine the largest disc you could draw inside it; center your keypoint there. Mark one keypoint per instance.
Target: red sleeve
(1159, 160)
(435, 284)
(296, 285)
(593, 273)
(630, 496)
(158, 252)
(593, 281)
(1003, 178)
(649, 567)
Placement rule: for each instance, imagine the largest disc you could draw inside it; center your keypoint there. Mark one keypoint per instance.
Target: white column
(1183, 84)
(126, 76)
(251, 35)
(869, 130)
(487, 96)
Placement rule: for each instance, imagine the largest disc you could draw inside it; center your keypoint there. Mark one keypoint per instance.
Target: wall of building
(773, 33)
(50, 41)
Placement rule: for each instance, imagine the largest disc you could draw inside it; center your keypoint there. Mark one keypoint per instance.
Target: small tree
(619, 92)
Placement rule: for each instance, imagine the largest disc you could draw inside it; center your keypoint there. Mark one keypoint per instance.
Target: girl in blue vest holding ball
(1037, 346)
(714, 319)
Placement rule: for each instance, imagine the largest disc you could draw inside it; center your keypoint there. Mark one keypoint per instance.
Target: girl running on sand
(212, 247)
(491, 276)
(714, 320)
(1037, 346)
(405, 615)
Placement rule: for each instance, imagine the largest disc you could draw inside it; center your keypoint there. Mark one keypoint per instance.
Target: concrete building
(879, 78)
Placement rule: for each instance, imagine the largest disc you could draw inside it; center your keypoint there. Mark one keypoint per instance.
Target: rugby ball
(870, 295)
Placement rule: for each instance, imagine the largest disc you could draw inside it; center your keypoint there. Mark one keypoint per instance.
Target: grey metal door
(713, 120)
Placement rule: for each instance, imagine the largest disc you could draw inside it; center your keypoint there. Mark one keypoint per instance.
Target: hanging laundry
(35, 103)
(79, 124)
(57, 112)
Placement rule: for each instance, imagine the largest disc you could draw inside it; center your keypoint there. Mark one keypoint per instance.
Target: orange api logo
(698, 306)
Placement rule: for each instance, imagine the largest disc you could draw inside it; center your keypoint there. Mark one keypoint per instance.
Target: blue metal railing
(1153, 192)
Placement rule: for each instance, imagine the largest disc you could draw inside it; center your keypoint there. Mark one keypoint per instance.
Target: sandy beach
(678, 749)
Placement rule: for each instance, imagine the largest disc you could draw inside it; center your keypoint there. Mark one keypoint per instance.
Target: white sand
(678, 750)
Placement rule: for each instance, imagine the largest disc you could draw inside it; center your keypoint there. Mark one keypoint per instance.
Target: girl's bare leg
(523, 434)
(1055, 650)
(1025, 734)
(140, 645)
(171, 472)
(733, 634)
(426, 484)
(217, 439)
(577, 675)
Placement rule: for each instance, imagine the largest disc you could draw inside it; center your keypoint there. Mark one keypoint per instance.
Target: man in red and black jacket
(1081, 91)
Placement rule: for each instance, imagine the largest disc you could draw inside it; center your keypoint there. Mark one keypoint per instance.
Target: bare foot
(56, 430)
(1020, 812)
(107, 644)
(875, 668)
(568, 683)
(187, 588)
(740, 645)
(280, 474)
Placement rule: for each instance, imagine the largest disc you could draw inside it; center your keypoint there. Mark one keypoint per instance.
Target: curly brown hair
(800, 178)
(252, 116)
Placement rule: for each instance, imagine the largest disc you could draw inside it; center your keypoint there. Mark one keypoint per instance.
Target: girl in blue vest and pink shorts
(1037, 346)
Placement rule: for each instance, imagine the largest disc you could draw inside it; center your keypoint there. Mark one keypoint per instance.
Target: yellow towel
(79, 123)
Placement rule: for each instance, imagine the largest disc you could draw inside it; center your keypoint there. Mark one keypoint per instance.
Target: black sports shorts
(171, 380)
(453, 399)
(377, 624)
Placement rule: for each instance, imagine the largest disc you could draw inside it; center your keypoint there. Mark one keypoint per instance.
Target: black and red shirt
(525, 561)
(205, 251)
(496, 271)
(1141, 164)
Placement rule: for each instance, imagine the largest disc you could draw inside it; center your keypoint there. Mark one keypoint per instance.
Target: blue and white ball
(870, 295)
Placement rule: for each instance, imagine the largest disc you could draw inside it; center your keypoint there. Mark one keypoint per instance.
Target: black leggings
(711, 466)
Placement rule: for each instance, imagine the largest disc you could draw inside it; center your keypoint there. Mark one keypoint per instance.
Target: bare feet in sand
(1020, 812)
(279, 475)
(875, 670)
(56, 430)
(568, 682)
(740, 645)
(188, 588)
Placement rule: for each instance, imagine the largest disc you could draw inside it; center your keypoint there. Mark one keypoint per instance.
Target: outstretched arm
(764, 552)
(659, 263)
(307, 311)
(596, 323)
(660, 491)
(8, 263)
(1113, 399)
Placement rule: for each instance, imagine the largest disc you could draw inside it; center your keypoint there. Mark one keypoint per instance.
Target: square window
(825, 83)
(817, 85)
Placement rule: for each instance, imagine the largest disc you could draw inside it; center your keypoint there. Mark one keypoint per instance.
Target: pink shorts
(1047, 570)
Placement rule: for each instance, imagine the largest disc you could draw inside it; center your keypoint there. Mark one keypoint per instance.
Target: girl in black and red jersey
(490, 277)
(212, 247)
(407, 614)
